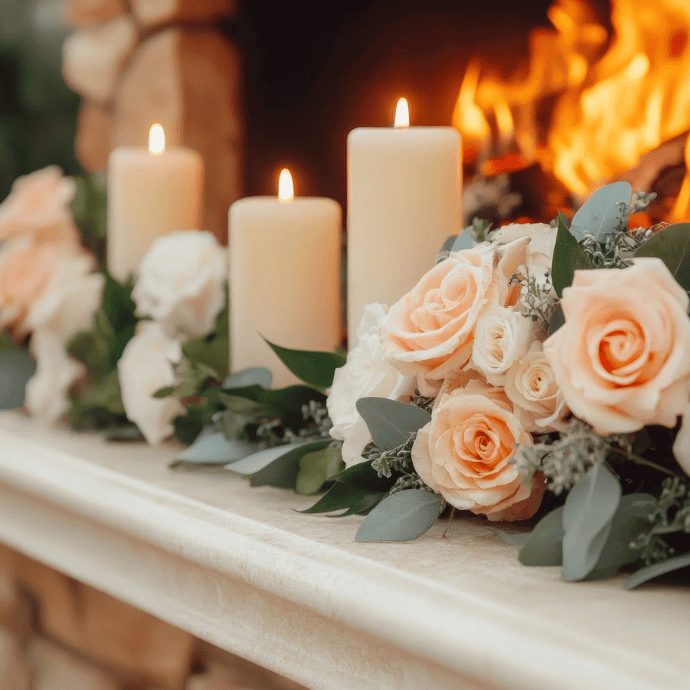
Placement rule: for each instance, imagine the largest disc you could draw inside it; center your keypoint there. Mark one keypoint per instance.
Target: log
(93, 58)
(188, 81)
(85, 12)
(154, 13)
(92, 144)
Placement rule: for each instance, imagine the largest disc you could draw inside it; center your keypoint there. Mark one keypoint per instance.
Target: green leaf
(316, 468)
(404, 516)
(346, 497)
(117, 303)
(672, 246)
(123, 434)
(587, 515)
(165, 392)
(448, 244)
(214, 449)
(544, 544)
(252, 376)
(651, 571)
(208, 354)
(463, 241)
(568, 256)
(557, 320)
(601, 213)
(391, 423)
(104, 392)
(364, 476)
(514, 538)
(17, 366)
(313, 367)
(277, 466)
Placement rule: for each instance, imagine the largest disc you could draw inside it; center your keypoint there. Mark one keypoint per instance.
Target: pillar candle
(404, 201)
(284, 278)
(151, 192)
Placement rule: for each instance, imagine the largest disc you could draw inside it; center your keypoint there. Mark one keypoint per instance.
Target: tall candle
(404, 201)
(151, 192)
(284, 277)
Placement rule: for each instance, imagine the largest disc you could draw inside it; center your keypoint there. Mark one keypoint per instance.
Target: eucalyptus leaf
(514, 538)
(277, 466)
(557, 320)
(544, 546)
(391, 423)
(252, 376)
(463, 241)
(214, 449)
(313, 367)
(17, 366)
(403, 516)
(364, 476)
(587, 518)
(316, 468)
(656, 569)
(568, 256)
(448, 244)
(672, 246)
(601, 213)
(346, 497)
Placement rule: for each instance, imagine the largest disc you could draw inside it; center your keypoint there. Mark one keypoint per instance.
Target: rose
(145, 366)
(430, 331)
(501, 337)
(56, 371)
(542, 244)
(37, 208)
(365, 373)
(69, 300)
(531, 386)
(623, 354)
(181, 281)
(464, 453)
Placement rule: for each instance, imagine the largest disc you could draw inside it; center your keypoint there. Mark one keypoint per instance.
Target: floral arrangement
(535, 371)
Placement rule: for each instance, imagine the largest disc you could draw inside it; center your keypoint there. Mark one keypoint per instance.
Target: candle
(404, 201)
(284, 277)
(151, 192)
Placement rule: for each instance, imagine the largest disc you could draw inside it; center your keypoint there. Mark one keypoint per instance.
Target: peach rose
(464, 453)
(623, 354)
(37, 208)
(430, 331)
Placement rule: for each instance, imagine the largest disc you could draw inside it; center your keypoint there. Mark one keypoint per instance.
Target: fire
(616, 97)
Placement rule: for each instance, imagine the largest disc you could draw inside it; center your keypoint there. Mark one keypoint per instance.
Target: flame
(286, 188)
(156, 140)
(615, 96)
(402, 113)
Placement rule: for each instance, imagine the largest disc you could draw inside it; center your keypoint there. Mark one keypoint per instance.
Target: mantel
(296, 594)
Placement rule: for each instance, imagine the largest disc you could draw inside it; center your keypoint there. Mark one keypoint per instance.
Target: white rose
(531, 386)
(145, 366)
(542, 243)
(181, 282)
(56, 371)
(366, 373)
(501, 338)
(70, 299)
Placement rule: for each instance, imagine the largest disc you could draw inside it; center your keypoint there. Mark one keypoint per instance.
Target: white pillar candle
(404, 201)
(284, 278)
(151, 192)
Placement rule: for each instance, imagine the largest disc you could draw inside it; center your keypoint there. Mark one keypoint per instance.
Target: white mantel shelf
(296, 594)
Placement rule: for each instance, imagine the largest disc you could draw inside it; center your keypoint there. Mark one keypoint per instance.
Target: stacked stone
(59, 634)
(145, 61)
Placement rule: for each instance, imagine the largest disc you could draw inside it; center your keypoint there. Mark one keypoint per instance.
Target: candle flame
(402, 113)
(156, 140)
(286, 189)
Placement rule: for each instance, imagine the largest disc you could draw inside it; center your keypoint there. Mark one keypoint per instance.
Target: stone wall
(138, 62)
(59, 634)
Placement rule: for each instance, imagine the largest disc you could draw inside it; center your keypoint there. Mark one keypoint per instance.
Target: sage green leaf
(568, 256)
(316, 468)
(601, 213)
(17, 366)
(462, 241)
(544, 546)
(345, 497)
(252, 376)
(514, 538)
(364, 476)
(313, 367)
(448, 244)
(651, 571)
(672, 246)
(165, 392)
(391, 423)
(214, 449)
(404, 516)
(627, 524)
(277, 466)
(557, 320)
(587, 515)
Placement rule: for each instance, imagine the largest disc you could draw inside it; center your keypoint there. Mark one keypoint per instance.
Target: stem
(643, 461)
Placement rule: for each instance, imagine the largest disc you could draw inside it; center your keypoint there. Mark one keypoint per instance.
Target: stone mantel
(296, 594)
